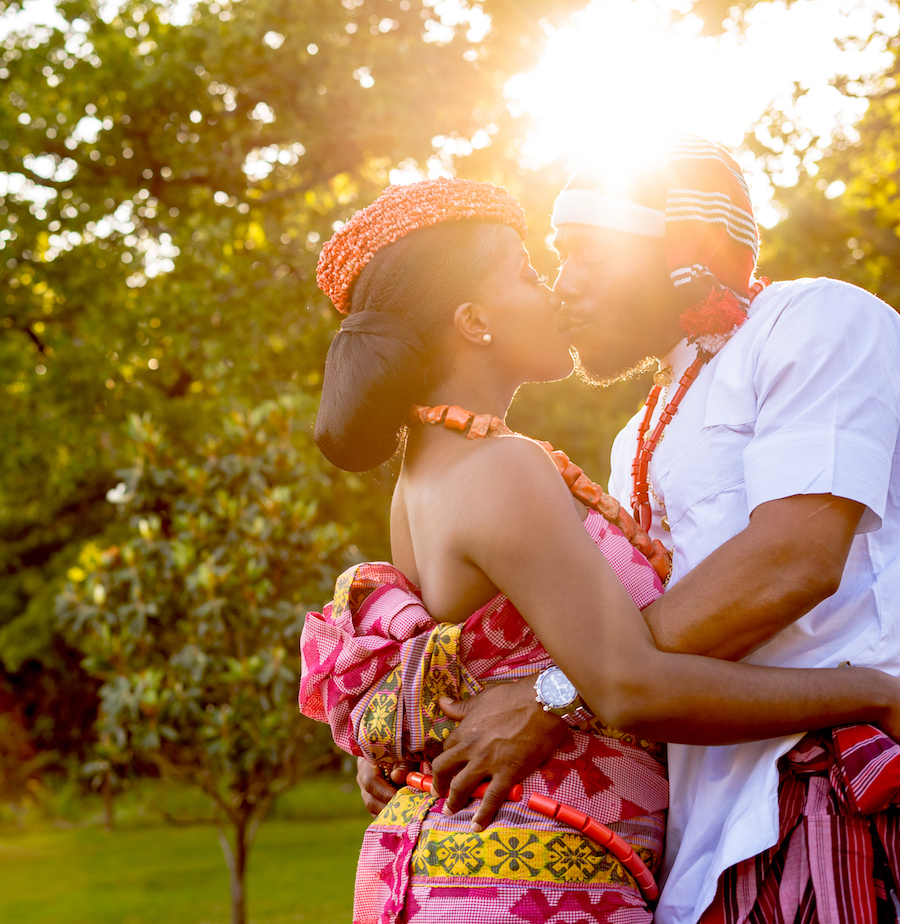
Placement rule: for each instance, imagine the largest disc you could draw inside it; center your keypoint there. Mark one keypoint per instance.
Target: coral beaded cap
(692, 195)
(400, 210)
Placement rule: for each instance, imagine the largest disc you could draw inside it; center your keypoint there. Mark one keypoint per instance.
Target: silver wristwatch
(557, 694)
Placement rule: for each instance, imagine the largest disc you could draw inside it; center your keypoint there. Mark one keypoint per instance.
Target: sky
(623, 72)
(629, 64)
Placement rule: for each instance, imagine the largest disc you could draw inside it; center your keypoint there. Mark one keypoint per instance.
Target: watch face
(556, 689)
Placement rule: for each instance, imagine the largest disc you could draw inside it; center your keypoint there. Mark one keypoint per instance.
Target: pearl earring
(486, 338)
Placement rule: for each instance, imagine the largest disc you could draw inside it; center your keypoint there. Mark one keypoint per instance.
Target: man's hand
(890, 724)
(375, 790)
(503, 734)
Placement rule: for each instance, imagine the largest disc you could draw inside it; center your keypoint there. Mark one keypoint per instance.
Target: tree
(194, 620)
(841, 216)
(165, 190)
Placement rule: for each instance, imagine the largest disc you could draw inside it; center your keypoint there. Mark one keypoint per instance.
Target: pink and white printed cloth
(374, 665)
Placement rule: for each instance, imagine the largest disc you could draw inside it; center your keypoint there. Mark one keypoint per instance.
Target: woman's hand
(503, 735)
(375, 790)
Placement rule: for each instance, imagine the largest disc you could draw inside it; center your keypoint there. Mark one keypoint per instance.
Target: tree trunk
(236, 861)
(108, 809)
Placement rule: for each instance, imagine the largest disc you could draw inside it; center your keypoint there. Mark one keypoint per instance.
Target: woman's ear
(472, 322)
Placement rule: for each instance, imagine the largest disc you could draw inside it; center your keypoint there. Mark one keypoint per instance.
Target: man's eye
(593, 254)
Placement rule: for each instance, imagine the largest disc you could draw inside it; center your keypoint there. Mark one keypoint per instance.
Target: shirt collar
(679, 358)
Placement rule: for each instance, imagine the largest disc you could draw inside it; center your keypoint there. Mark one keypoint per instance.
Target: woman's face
(528, 339)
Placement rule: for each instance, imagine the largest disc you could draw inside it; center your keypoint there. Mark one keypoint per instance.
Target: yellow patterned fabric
(436, 669)
(352, 588)
(655, 749)
(380, 713)
(519, 855)
(445, 676)
(404, 808)
(522, 868)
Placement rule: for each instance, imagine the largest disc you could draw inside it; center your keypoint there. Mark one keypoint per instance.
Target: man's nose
(567, 285)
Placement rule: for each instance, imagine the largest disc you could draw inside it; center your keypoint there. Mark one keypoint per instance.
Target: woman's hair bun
(373, 375)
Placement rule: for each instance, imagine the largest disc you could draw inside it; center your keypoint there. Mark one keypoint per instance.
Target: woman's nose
(555, 300)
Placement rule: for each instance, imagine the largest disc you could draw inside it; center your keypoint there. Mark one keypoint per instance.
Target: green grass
(300, 870)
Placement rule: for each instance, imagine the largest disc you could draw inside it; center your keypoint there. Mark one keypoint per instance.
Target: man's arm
(821, 430)
(788, 559)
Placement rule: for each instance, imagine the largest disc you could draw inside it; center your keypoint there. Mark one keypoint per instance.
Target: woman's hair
(379, 365)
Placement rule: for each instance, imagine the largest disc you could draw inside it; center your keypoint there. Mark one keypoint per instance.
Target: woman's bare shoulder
(515, 471)
(515, 448)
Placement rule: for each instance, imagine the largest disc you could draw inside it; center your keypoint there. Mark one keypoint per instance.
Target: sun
(625, 74)
(621, 70)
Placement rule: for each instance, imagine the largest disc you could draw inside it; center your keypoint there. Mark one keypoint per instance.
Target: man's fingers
(459, 794)
(497, 793)
(399, 772)
(502, 736)
(375, 801)
(444, 767)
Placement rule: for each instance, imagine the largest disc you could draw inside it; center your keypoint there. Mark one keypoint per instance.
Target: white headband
(601, 210)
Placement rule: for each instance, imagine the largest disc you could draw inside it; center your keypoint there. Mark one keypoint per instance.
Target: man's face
(618, 300)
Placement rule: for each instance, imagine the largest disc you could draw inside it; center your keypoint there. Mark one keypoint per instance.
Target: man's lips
(571, 321)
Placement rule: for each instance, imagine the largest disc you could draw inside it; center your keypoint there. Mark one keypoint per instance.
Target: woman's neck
(474, 394)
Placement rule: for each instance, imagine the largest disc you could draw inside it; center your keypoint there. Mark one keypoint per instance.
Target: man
(771, 464)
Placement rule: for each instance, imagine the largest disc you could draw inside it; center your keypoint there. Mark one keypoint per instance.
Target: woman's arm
(521, 530)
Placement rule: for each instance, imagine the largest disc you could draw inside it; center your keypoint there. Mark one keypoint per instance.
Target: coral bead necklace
(646, 445)
(481, 426)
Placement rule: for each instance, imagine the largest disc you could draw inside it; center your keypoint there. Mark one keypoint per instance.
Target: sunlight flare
(625, 72)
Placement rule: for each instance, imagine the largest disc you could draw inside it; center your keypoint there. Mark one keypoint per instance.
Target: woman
(447, 312)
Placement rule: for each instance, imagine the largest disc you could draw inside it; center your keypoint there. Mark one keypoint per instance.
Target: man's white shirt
(804, 399)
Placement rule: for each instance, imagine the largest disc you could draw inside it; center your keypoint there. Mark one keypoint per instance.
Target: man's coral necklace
(646, 445)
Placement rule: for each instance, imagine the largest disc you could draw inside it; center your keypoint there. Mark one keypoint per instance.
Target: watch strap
(576, 714)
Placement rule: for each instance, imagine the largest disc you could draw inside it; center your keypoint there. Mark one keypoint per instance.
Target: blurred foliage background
(167, 182)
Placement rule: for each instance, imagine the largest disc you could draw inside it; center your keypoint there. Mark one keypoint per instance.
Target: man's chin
(599, 370)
